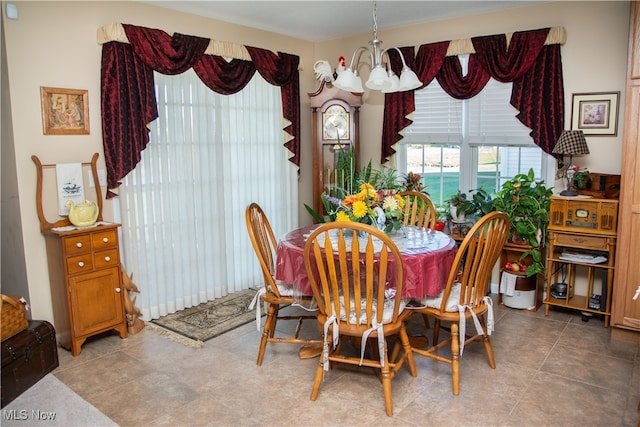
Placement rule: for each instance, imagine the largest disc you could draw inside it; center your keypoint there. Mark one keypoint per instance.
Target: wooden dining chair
(465, 295)
(418, 210)
(359, 295)
(274, 294)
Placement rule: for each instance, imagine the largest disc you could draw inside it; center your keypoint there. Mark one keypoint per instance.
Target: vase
(381, 218)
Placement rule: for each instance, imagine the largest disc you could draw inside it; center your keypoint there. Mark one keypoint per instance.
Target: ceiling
(327, 20)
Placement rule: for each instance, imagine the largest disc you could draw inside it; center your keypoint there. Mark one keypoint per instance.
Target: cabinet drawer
(105, 239)
(106, 258)
(77, 244)
(80, 263)
(585, 242)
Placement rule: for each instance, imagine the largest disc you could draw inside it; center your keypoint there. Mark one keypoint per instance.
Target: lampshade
(571, 142)
(349, 81)
(380, 78)
(408, 80)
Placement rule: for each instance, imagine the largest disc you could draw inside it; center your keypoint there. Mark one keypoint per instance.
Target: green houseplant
(526, 202)
(460, 206)
(483, 201)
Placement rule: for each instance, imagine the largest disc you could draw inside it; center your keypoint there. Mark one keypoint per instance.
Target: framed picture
(595, 113)
(64, 111)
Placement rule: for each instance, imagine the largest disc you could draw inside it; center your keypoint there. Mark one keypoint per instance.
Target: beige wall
(54, 44)
(594, 59)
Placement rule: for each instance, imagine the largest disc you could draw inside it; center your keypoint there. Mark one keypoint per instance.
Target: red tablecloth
(425, 269)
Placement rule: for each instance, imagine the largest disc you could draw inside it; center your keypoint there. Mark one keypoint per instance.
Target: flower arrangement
(377, 207)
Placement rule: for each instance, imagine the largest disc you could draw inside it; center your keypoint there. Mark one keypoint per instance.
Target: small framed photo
(595, 113)
(64, 111)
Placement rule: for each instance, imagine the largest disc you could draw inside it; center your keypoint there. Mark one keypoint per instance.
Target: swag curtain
(128, 98)
(535, 68)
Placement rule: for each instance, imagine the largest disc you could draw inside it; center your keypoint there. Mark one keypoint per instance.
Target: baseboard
(625, 335)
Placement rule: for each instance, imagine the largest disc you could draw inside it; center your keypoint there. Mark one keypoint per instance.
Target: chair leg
(436, 331)
(276, 313)
(318, 380)
(406, 345)
(455, 359)
(386, 384)
(489, 349)
(320, 369)
(427, 324)
(268, 331)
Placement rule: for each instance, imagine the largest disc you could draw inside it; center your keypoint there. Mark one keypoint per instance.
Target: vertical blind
(182, 208)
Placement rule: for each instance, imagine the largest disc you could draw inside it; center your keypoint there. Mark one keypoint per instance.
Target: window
(467, 144)
(182, 208)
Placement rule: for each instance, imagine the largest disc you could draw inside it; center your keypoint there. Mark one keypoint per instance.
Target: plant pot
(455, 216)
(516, 239)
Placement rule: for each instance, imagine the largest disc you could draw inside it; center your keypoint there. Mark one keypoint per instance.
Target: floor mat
(210, 319)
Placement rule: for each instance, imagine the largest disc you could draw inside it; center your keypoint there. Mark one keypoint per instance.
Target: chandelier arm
(404, 64)
(353, 65)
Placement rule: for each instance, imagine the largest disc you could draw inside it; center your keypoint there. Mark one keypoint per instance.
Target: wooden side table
(583, 245)
(580, 230)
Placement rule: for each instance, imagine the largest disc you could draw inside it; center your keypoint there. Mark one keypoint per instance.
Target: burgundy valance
(128, 97)
(535, 68)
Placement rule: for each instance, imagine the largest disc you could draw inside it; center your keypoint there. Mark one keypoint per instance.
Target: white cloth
(508, 283)
(70, 185)
(285, 291)
(353, 319)
(453, 305)
(332, 320)
(365, 336)
(476, 322)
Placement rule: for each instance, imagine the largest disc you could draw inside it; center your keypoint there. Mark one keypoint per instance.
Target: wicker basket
(14, 318)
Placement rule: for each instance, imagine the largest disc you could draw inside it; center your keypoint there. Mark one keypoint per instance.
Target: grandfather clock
(336, 139)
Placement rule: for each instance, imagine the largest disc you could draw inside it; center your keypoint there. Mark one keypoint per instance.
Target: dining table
(427, 256)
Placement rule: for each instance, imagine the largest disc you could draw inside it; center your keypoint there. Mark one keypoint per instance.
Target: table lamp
(573, 143)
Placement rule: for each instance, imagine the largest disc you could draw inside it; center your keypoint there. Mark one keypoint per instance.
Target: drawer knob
(105, 239)
(118, 290)
(78, 245)
(107, 258)
(81, 264)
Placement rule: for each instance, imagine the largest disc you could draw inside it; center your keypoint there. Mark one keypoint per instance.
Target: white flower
(390, 204)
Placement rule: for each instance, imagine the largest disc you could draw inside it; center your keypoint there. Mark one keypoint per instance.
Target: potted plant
(483, 201)
(526, 202)
(581, 178)
(460, 207)
(413, 182)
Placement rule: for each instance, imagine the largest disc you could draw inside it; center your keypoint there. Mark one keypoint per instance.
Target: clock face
(335, 123)
(582, 213)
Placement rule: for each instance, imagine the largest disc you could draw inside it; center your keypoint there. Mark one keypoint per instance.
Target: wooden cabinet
(581, 229)
(336, 139)
(84, 270)
(625, 312)
(85, 278)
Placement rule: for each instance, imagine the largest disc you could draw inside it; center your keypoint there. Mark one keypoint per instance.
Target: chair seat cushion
(387, 315)
(285, 289)
(452, 302)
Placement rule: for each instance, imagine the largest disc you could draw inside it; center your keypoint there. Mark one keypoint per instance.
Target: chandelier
(382, 78)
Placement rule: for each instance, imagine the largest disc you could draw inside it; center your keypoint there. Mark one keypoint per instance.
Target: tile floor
(551, 371)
